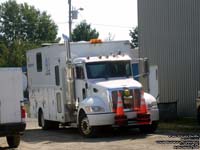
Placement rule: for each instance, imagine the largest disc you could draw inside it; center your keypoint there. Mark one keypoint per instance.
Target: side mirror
(146, 66)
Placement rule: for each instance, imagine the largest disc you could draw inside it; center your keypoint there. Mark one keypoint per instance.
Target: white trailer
(81, 89)
(11, 111)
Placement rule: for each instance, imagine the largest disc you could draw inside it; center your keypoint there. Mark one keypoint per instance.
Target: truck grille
(130, 98)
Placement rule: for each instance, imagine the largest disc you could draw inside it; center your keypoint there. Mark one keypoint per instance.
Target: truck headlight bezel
(91, 109)
(153, 105)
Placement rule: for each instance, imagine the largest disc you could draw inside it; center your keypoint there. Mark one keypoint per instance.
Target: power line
(117, 26)
(96, 24)
(104, 25)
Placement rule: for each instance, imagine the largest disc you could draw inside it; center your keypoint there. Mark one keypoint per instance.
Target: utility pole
(70, 19)
(73, 14)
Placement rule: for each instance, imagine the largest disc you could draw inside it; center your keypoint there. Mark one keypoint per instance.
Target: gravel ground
(70, 139)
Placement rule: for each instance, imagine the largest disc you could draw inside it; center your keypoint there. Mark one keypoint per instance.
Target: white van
(12, 113)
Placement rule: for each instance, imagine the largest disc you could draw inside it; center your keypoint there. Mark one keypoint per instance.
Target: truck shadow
(65, 135)
(71, 135)
(5, 148)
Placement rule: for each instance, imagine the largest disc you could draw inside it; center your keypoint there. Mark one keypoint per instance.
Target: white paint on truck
(11, 93)
(12, 114)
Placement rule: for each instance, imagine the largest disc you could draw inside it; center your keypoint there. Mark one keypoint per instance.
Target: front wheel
(85, 128)
(149, 128)
(13, 141)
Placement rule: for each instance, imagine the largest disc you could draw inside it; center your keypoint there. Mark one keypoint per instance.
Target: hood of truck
(118, 83)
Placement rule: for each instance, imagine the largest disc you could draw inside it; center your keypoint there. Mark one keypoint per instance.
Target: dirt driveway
(70, 139)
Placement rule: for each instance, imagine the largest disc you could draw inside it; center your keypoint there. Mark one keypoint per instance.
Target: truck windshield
(108, 69)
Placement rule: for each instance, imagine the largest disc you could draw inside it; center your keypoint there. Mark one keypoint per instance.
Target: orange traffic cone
(120, 117)
(120, 109)
(143, 118)
(143, 107)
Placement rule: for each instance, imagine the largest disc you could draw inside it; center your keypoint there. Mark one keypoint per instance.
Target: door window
(79, 72)
(57, 75)
(39, 62)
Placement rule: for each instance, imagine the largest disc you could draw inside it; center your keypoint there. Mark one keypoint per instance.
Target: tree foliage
(22, 27)
(15, 55)
(3, 55)
(84, 32)
(134, 36)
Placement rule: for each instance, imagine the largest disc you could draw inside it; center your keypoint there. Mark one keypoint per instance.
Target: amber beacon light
(95, 41)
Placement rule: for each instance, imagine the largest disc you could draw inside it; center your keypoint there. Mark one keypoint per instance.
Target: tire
(84, 127)
(45, 124)
(13, 141)
(149, 128)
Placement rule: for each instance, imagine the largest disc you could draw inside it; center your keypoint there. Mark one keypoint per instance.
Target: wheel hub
(85, 126)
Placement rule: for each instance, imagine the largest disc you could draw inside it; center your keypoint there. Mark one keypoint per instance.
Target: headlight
(94, 109)
(153, 105)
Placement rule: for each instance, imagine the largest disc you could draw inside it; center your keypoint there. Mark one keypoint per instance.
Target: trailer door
(11, 93)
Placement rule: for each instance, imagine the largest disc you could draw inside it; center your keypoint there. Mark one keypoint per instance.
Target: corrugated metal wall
(169, 35)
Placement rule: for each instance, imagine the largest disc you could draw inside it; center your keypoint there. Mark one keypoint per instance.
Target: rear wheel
(13, 141)
(42, 122)
(85, 128)
(149, 128)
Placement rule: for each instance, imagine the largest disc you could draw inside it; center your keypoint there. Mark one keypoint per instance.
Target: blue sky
(106, 16)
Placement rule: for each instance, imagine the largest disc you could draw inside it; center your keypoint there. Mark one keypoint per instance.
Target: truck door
(80, 83)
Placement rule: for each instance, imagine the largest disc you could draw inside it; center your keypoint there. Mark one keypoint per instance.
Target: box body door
(11, 93)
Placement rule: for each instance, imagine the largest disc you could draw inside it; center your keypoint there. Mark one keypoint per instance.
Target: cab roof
(121, 57)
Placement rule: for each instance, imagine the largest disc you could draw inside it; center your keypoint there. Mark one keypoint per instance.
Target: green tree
(25, 23)
(22, 27)
(84, 32)
(15, 55)
(3, 55)
(134, 36)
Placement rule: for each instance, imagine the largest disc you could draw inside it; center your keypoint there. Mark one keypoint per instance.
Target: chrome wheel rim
(85, 126)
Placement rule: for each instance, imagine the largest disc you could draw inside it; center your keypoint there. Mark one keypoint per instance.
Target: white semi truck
(12, 112)
(80, 85)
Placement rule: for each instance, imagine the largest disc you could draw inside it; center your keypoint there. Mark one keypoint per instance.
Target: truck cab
(97, 82)
(94, 74)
